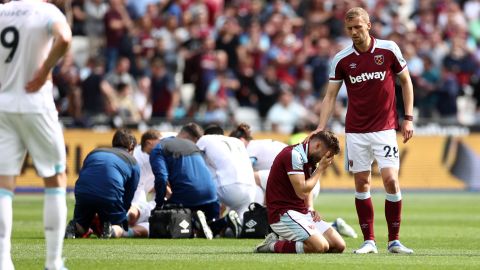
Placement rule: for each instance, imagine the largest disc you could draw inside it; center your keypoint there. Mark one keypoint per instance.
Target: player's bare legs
(364, 206)
(393, 210)
(7, 182)
(7, 185)
(54, 218)
(138, 231)
(58, 180)
(335, 241)
(133, 215)
(134, 229)
(316, 244)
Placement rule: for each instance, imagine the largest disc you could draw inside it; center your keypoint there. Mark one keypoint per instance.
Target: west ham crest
(379, 59)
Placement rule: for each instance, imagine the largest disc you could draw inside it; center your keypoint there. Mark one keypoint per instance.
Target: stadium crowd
(154, 61)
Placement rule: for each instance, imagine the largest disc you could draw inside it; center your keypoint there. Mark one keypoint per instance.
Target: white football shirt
(147, 179)
(227, 159)
(25, 41)
(263, 152)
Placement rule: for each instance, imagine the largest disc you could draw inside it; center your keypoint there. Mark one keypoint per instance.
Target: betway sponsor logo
(368, 76)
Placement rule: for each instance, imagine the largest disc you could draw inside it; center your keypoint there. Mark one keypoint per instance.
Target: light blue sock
(54, 220)
(6, 217)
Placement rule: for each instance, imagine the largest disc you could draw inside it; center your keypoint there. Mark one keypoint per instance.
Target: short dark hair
(242, 131)
(214, 129)
(329, 139)
(150, 134)
(124, 138)
(193, 130)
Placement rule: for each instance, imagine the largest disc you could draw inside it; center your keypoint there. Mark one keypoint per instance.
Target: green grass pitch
(442, 228)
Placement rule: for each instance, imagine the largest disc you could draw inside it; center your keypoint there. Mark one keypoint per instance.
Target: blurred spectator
(66, 79)
(138, 8)
(169, 38)
(252, 12)
(304, 95)
(447, 94)
(164, 93)
(254, 44)
(207, 70)
(144, 43)
(95, 10)
(439, 48)
(267, 87)
(460, 61)
(317, 12)
(221, 90)
(426, 87)
(285, 55)
(425, 21)
(172, 8)
(117, 26)
(79, 17)
(127, 111)
(98, 96)
(286, 112)
(335, 23)
(142, 98)
(228, 40)
(154, 13)
(318, 62)
(121, 74)
(414, 62)
(451, 19)
(280, 7)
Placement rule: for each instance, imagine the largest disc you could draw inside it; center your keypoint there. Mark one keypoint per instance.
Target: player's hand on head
(326, 161)
(311, 134)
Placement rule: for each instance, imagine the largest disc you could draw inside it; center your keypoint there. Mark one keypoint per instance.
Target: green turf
(442, 228)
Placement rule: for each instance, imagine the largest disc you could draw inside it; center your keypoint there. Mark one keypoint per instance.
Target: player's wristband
(408, 117)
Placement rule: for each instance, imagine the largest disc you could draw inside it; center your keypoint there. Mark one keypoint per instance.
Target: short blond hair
(357, 12)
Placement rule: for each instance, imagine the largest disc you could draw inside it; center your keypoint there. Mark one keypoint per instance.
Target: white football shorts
(38, 133)
(237, 196)
(295, 226)
(144, 209)
(263, 175)
(363, 148)
(145, 225)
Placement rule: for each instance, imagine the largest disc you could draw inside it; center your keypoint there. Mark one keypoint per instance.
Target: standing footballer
(368, 69)
(33, 37)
